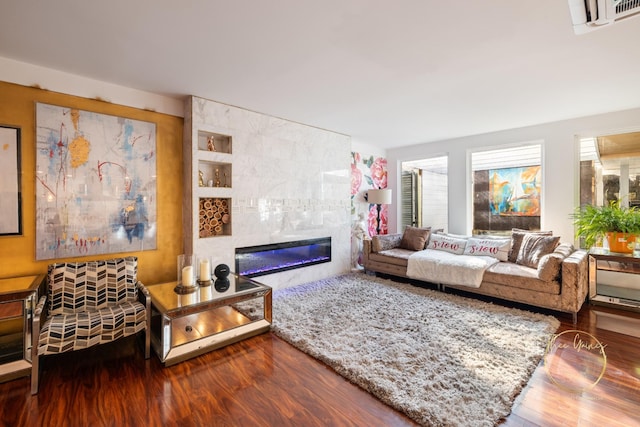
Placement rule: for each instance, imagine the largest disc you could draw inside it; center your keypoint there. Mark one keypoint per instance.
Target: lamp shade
(379, 197)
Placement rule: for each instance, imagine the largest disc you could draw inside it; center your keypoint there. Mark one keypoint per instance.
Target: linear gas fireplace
(259, 260)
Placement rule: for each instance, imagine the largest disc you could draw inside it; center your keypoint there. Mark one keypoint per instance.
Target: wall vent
(589, 15)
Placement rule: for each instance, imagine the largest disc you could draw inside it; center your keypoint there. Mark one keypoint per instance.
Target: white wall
(560, 166)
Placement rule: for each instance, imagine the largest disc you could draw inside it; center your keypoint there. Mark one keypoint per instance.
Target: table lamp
(378, 197)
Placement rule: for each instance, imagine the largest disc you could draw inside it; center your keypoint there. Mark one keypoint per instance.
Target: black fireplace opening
(252, 261)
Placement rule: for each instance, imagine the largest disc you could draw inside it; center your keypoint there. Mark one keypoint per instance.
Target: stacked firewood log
(214, 214)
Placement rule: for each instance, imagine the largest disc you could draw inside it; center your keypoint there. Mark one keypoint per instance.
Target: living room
(290, 171)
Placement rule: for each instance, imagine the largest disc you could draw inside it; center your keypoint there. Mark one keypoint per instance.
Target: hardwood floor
(614, 400)
(264, 381)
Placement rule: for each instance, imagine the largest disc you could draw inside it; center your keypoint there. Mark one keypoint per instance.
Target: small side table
(614, 279)
(18, 298)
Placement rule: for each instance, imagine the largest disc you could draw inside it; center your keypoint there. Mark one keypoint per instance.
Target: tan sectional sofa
(564, 289)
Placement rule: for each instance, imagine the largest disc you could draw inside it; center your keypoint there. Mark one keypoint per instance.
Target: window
(506, 189)
(610, 170)
(425, 193)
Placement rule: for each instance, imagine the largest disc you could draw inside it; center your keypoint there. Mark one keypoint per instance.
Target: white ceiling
(388, 73)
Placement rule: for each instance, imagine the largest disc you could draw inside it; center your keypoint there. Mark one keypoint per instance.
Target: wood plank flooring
(264, 381)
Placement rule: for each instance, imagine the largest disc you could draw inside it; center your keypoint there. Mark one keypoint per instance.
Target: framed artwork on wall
(515, 191)
(10, 183)
(95, 183)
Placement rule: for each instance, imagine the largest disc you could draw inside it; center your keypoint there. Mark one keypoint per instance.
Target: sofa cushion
(415, 238)
(384, 242)
(447, 243)
(521, 277)
(496, 248)
(534, 247)
(65, 332)
(517, 235)
(396, 256)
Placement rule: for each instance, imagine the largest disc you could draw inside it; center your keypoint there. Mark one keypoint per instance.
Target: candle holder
(204, 271)
(186, 275)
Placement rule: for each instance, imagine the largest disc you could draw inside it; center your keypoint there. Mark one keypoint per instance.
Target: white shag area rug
(442, 359)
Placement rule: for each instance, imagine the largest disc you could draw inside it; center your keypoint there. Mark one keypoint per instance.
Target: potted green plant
(618, 224)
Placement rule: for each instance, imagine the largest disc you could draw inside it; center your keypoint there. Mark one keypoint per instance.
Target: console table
(18, 297)
(188, 325)
(614, 279)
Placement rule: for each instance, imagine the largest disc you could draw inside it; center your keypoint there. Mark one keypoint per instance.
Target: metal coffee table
(188, 325)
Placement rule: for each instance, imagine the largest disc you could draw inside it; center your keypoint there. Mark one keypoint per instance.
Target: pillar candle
(205, 270)
(187, 276)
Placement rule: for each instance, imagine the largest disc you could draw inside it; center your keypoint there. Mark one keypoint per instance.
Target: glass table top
(603, 253)
(166, 299)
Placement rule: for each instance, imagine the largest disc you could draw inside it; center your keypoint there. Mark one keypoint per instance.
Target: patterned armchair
(89, 303)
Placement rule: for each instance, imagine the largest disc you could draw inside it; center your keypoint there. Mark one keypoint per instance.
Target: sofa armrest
(366, 246)
(145, 298)
(143, 294)
(575, 273)
(39, 317)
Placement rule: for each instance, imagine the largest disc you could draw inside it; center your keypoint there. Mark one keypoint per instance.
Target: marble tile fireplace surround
(288, 182)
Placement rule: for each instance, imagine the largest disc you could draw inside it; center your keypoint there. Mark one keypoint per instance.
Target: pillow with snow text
(446, 243)
(496, 248)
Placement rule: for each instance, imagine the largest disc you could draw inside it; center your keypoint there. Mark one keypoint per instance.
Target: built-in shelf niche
(214, 142)
(215, 174)
(214, 217)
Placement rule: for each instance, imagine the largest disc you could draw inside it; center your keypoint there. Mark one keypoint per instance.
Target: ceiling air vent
(589, 15)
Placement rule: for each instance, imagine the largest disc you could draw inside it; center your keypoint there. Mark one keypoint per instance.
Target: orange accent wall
(17, 253)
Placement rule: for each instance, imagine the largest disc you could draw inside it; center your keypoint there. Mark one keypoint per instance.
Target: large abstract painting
(95, 183)
(515, 191)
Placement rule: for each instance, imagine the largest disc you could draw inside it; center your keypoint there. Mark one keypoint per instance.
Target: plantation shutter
(408, 197)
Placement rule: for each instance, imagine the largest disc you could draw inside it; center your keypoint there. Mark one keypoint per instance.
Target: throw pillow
(516, 241)
(534, 247)
(564, 249)
(455, 236)
(384, 242)
(415, 238)
(447, 243)
(496, 248)
(549, 266)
